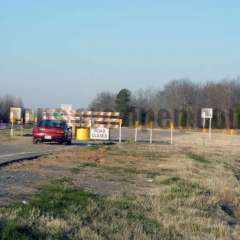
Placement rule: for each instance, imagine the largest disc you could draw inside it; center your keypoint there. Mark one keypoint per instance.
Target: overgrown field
(128, 191)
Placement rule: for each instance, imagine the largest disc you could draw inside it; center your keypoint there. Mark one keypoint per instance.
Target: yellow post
(171, 128)
(120, 122)
(13, 121)
(22, 127)
(232, 131)
(120, 130)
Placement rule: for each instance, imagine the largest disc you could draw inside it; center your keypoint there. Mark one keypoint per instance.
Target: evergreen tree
(122, 102)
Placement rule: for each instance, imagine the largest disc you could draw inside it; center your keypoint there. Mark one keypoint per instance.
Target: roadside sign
(56, 114)
(28, 116)
(15, 114)
(207, 113)
(99, 133)
(15, 118)
(67, 107)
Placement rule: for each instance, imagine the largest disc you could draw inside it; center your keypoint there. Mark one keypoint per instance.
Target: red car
(52, 131)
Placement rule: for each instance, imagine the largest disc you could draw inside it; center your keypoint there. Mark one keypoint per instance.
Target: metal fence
(141, 135)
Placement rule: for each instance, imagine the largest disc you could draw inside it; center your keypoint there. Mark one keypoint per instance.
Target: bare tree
(104, 101)
(183, 99)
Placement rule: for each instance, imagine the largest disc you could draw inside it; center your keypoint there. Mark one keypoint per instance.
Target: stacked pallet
(85, 119)
(70, 116)
(93, 119)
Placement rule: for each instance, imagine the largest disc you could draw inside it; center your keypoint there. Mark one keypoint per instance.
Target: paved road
(24, 149)
(15, 151)
(12, 183)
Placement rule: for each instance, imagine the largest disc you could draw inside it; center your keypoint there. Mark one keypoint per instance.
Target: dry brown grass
(190, 190)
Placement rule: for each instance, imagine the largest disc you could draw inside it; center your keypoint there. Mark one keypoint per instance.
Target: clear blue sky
(54, 51)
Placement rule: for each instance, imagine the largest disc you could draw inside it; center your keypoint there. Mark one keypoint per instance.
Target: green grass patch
(131, 171)
(115, 170)
(182, 188)
(147, 155)
(185, 189)
(13, 230)
(59, 211)
(95, 146)
(77, 169)
(56, 199)
(198, 158)
(170, 180)
(155, 156)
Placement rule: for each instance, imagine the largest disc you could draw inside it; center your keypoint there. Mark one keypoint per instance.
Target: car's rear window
(51, 123)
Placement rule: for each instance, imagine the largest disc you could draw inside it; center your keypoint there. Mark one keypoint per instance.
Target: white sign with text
(15, 114)
(207, 113)
(99, 133)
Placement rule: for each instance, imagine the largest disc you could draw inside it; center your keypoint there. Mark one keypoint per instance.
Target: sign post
(210, 128)
(204, 121)
(120, 130)
(21, 127)
(11, 131)
(136, 131)
(171, 130)
(207, 113)
(151, 132)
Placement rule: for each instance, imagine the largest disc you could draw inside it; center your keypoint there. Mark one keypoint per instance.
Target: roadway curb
(22, 158)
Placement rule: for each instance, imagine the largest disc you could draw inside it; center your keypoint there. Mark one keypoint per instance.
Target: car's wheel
(36, 141)
(68, 142)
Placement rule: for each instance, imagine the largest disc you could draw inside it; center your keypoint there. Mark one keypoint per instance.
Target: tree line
(179, 101)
